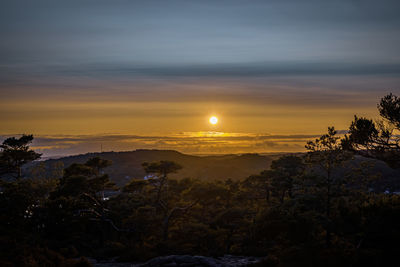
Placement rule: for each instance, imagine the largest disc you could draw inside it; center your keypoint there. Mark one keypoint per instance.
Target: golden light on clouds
(202, 142)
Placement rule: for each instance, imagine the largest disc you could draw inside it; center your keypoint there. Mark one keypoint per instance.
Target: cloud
(132, 72)
(189, 142)
(196, 32)
(99, 66)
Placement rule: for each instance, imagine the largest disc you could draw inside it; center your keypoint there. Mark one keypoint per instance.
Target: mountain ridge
(128, 164)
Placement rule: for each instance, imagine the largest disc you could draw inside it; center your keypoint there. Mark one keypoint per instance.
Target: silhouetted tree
(87, 178)
(286, 212)
(285, 172)
(161, 170)
(260, 186)
(379, 139)
(15, 152)
(326, 153)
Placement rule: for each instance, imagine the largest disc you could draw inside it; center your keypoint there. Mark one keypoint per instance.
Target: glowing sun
(213, 120)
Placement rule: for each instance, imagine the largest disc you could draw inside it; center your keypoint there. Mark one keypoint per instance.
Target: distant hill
(127, 165)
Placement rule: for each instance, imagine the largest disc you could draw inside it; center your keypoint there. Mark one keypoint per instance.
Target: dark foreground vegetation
(304, 211)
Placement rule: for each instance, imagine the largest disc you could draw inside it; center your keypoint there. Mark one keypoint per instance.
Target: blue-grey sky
(133, 34)
(96, 66)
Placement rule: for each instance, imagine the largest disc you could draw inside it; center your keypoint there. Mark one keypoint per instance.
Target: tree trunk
(19, 175)
(166, 227)
(328, 210)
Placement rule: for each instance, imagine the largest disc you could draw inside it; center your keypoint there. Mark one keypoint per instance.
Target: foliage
(279, 213)
(305, 210)
(15, 152)
(379, 139)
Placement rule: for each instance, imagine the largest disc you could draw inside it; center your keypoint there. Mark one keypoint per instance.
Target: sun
(213, 120)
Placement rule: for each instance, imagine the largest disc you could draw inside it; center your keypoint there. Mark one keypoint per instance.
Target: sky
(120, 75)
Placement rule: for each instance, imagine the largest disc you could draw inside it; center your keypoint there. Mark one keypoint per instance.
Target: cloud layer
(188, 142)
(155, 68)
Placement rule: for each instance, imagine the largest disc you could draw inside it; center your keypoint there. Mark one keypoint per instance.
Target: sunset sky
(149, 74)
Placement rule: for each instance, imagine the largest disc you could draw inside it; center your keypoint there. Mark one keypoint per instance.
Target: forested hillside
(335, 205)
(128, 165)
